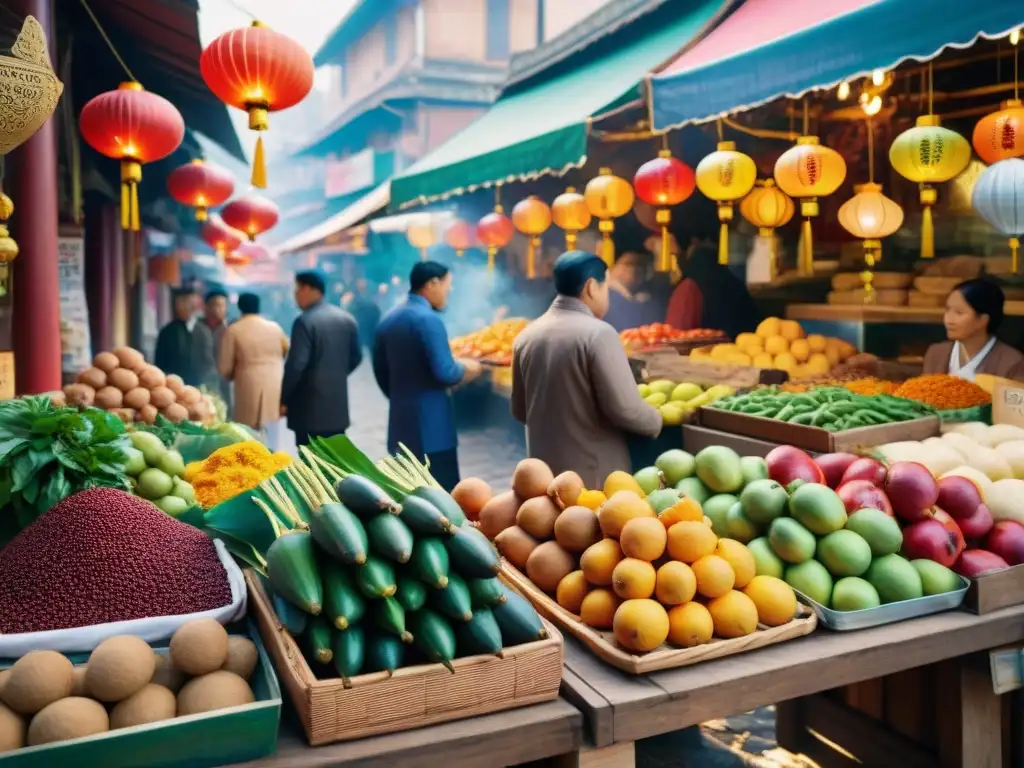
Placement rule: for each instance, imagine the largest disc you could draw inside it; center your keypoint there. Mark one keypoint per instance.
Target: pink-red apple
(833, 465)
(1006, 539)
(929, 539)
(958, 496)
(859, 494)
(912, 490)
(787, 463)
(954, 529)
(977, 524)
(871, 470)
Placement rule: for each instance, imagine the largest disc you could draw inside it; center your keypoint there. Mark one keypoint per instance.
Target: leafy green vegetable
(48, 453)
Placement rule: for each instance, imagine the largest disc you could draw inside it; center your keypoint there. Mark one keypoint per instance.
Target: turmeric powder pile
(871, 386)
(943, 392)
(232, 470)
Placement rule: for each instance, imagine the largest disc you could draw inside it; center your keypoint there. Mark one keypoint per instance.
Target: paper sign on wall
(75, 343)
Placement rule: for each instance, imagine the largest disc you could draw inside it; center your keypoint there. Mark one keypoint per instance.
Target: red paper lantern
(200, 185)
(261, 71)
(662, 182)
(495, 231)
(219, 236)
(251, 214)
(459, 235)
(135, 127)
(254, 253)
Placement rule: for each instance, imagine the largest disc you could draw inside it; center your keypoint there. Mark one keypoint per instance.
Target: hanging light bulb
(878, 77)
(872, 106)
(1015, 36)
(843, 93)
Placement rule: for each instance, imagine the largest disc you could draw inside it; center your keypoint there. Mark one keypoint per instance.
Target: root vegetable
(137, 398)
(152, 377)
(93, 377)
(190, 396)
(106, 361)
(109, 398)
(147, 414)
(123, 379)
(176, 413)
(161, 397)
(175, 384)
(130, 358)
(79, 394)
(127, 415)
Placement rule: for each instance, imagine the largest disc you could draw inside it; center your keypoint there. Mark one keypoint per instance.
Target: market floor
(491, 453)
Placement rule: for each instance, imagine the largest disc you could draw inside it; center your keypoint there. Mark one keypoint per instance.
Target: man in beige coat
(571, 382)
(252, 355)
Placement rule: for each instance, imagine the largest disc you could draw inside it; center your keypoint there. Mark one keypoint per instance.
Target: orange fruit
(816, 342)
(774, 599)
(745, 340)
(790, 330)
(768, 327)
(591, 499)
(689, 625)
(786, 362)
(764, 360)
(571, 591)
(740, 558)
(643, 538)
(734, 614)
(675, 584)
(776, 345)
(634, 579)
(640, 625)
(818, 364)
(689, 541)
(598, 561)
(715, 576)
(622, 507)
(598, 608)
(684, 509)
(801, 350)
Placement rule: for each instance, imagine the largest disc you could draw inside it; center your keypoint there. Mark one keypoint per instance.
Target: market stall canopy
(768, 49)
(540, 127)
(352, 215)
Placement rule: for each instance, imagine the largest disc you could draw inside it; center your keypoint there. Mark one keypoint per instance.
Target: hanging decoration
(8, 247)
(260, 71)
(219, 236)
(725, 176)
(200, 185)
(254, 253)
(251, 214)
(421, 235)
(998, 198)
(767, 207)
(1000, 135)
(569, 211)
(135, 127)
(495, 230)
(237, 259)
(662, 183)
(532, 217)
(459, 236)
(608, 197)
(806, 172)
(870, 215)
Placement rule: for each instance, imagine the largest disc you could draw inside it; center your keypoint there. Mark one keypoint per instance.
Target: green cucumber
(429, 562)
(390, 537)
(412, 593)
(349, 653)
(453, 601)
(424, 518)
(292, 571)
(318, 639)
(479, 635)
(433, 637)
(471, 554)
(443, 500)
(384, 653)
(485, 592)
(343, 605)
(518, 620)
(339, 533)
(290, 617)
(364, 497)
(389, 616)
(375, 578)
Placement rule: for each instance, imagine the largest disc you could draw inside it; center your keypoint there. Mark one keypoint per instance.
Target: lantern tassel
(135, 207)
(608, 249)
(1014, 255)
(492, 252)
(126, 201)
(259, 166)
(531, 258)
(807, 268)
(723, 244)
(927, 234)
(665, 261)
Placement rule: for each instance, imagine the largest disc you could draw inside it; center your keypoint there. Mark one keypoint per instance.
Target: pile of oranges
(493, 343)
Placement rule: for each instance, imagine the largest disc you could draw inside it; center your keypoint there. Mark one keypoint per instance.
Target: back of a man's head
(249, 304)
(573, 269)
(312, 279)
(423, 272)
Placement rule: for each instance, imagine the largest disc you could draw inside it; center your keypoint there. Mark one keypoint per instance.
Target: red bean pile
(104, 555)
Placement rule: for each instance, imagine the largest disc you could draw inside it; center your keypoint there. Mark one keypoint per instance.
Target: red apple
(871, 470)
(1006, 539)
(786, 464)
(976, 562)
(912, 490)
(858, 494)
(929, 539)
(958, 496)
(954, 530)
(976, 525)
(833, 465)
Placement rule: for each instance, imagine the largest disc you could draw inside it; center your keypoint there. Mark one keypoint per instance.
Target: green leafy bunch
(48, 453)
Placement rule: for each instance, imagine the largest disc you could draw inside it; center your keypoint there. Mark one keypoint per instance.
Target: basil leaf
(31, 491)
(10, 444)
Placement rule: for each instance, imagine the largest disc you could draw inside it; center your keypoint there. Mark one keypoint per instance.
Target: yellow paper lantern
(870, 215)
(806, 172)
(569, 211)
(725, 176)
(929, 154)
(768, 207)
(608, 197)
(420, 234)
(532, 217)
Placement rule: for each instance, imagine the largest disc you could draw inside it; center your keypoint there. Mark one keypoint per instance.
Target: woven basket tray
(603, 644)
(412, 697)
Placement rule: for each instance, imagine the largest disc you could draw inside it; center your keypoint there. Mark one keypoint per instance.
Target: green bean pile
(830, 408)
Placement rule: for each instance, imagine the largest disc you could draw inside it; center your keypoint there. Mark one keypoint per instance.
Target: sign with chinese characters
(75, 343)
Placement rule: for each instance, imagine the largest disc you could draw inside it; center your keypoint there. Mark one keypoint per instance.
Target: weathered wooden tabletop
(619, 707)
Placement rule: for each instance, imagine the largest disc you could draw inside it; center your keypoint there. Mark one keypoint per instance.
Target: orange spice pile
(944, 392)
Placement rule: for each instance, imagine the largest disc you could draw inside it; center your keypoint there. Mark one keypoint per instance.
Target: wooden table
(505, 738)
(621, 709)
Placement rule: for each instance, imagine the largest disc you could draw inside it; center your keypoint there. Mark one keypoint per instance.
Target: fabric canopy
(542, 129)
(365, 206)
(772, 48)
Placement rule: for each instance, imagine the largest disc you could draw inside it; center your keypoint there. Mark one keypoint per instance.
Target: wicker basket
(412, 697)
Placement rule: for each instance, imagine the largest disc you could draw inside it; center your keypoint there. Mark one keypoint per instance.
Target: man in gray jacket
(571, 382)
(323, 353)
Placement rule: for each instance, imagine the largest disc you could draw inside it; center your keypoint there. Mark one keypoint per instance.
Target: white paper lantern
(998, 198)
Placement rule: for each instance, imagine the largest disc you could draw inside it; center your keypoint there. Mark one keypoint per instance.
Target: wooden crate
(999, 589)
(603, 644)
(413, 697)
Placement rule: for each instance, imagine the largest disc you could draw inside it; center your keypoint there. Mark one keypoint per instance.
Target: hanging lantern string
(931, 89)
(1016, 70)
(871, 150)
(106, 39)
(807, 120)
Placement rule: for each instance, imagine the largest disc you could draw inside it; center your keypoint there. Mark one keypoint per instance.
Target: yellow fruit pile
(781, 344)
(491, 343)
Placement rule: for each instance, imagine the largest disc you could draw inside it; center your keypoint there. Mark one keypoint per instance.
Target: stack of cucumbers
(370, 585)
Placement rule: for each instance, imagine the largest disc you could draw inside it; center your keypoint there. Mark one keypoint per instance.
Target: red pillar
(36, 286)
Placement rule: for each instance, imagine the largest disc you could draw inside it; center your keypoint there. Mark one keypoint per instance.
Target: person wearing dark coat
(175, 347)
(366, 312)
(324, 351)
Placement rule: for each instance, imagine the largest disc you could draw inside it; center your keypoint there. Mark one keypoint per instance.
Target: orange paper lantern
(532, 217)
(200, 185)
(608, 197)
(1000, 135)
(662, 182)
(768, 207)
(569, 211)
(251, 214)
(421, 235)
(495, 231)
(219, 236)
(459, 236)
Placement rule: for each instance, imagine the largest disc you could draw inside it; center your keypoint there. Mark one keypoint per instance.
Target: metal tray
(890, 613)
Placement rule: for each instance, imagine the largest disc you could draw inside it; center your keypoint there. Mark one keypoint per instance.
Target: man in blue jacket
(414, 367)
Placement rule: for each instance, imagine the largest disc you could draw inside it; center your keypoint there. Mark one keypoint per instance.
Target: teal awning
(541, 129)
